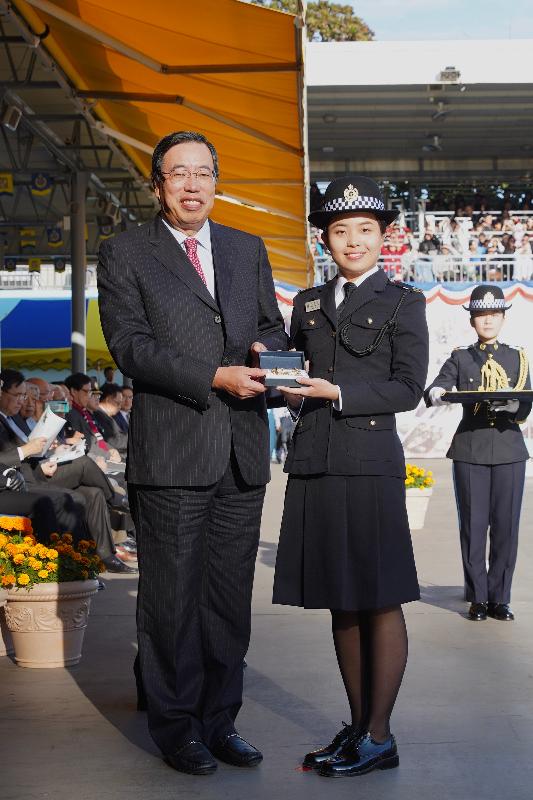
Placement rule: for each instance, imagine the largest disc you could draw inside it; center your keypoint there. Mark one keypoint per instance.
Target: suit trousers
(197, 548)
(489, 497)
(50, 512)
(84, 478)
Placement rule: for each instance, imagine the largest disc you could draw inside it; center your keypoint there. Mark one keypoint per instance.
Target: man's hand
(34, 447)
(15, 480)
(255, 349)
(311, 387)
(114, 456)
(240, 382)
(49, 468)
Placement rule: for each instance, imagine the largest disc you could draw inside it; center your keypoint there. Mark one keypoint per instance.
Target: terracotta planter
(47, 623)
(417, 501)
(6, 642)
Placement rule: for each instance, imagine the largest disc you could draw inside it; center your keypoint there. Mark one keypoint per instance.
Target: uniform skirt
(345, 544)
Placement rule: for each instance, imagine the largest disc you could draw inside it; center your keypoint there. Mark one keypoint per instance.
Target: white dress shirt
(339, 297)
(205, 252)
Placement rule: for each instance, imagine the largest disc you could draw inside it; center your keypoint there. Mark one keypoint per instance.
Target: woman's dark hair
(164, 145)
(11, 377)
(77, 381)
(110, 390)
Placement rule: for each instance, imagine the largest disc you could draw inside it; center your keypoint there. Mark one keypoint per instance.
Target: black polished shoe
(120, 502)
(316, 758)
(114, 564)
(478, 612)
(500, 611)
(360, 756)
(193, 758)
(234, 750)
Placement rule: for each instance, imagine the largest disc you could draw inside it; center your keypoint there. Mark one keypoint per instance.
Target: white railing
(47, 278)
(418, 268)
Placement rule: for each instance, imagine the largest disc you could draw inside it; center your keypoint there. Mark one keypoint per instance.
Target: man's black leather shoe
(316, 758)
(234, 750)
(193, 758)
(500, 611)
(114, 564)
(478, 612)
(360, 756)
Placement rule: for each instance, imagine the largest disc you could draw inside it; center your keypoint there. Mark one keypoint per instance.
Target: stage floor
(464, 719)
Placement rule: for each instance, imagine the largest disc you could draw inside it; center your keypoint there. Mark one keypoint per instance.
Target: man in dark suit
(186, 305)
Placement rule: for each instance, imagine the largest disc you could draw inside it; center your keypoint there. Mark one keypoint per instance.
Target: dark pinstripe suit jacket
(166, 332)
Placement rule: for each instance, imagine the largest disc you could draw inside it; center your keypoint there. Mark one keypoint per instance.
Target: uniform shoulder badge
(461, 347)
(408, 286)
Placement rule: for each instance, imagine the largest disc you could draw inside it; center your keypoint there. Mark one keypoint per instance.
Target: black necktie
(349, 289)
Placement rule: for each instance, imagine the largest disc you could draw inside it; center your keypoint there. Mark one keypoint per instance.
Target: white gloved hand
(510, 405)
(435, 396)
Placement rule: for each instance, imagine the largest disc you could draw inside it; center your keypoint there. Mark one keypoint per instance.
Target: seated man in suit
(81, 475)
(105, 416)
(123, 417)
(85, 401)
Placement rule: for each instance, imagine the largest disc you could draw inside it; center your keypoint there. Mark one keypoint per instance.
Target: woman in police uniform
(489, 455)
(345, 543)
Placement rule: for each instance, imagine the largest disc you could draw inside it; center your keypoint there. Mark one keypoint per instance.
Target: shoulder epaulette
(408, 286)
(512, 346)
(309, 289)
(461, 347)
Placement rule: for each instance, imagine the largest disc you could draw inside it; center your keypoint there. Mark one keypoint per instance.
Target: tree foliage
(335, 22)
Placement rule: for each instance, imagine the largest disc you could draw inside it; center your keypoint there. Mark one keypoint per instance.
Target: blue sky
(447, 19)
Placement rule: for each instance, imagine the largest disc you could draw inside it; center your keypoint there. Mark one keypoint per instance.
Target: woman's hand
(312, 387)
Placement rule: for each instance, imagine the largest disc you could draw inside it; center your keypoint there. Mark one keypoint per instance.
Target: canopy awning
(231, 70)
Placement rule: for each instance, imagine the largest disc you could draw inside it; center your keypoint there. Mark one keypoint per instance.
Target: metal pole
(77, 246)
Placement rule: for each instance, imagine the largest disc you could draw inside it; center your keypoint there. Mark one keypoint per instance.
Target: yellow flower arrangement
(25, 562)
(418, 478)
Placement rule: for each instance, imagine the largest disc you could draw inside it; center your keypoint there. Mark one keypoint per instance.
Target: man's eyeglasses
(18, 396)
(177, 177)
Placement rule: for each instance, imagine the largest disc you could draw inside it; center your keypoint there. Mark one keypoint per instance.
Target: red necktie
(191, 247)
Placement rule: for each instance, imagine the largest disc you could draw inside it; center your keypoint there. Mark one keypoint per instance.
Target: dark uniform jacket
(167, 333)
(484, 437)
(360, 439)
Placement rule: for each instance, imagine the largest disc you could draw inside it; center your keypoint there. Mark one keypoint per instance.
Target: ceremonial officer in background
(186, 305)
(489, 454)
(345, 543)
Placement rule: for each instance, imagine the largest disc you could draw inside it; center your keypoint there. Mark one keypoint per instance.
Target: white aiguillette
(312, 305)
(282, 367)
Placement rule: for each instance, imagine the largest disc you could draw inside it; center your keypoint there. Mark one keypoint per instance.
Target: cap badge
(489, 298)
(350, 194)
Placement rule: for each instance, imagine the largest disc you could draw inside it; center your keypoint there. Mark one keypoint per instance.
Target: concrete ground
(463, 721)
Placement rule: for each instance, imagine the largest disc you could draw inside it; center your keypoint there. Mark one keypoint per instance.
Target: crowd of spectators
(78, 485)
(470, 246)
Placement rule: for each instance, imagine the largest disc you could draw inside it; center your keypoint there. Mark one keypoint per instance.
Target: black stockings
(371, 648)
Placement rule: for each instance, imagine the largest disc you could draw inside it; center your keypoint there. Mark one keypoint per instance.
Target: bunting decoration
(60, 264)
(41, 184)
(105, 227)
(27, 237)
(54, 236)
(10, 263)
(34, 264)
(6, 184)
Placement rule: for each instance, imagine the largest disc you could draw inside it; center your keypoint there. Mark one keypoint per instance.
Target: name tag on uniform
(312, 305)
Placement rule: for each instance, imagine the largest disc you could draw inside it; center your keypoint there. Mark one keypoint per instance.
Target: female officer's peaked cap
(351, 193)
(487, 298)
